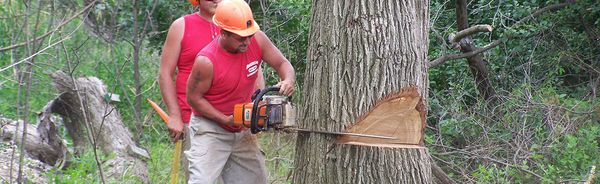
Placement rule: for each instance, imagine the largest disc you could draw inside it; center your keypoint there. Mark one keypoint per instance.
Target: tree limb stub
(455, 38)
(441, 176)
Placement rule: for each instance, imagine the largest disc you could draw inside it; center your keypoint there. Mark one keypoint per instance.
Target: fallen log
(42, 142)
(104, 123)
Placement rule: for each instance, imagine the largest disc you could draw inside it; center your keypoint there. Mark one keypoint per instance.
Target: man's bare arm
(198, 84)
(260, 80)
(168, 63)
(274, 57)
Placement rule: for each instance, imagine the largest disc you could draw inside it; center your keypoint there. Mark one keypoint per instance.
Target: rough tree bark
(359, 52)
(111, 135)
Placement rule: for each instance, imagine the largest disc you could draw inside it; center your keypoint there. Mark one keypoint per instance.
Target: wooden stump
(42, 142)
(111, 135)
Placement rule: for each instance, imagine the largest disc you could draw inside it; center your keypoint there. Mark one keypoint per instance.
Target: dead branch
(88, 126)
(476, 155)
(440, 174)
(455, 38)
(50, 32)
(35, 54)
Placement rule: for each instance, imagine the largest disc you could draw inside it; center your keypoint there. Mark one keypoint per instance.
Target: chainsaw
(274, 112)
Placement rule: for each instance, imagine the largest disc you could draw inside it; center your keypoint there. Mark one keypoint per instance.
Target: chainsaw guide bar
(340, 133)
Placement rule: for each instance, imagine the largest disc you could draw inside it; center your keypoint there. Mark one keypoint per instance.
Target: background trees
(545, 72)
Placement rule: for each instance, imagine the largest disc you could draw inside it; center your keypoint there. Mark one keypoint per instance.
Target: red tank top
(234, 77)
(196, 35)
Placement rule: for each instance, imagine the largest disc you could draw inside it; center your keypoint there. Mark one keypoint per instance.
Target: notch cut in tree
(400, 115)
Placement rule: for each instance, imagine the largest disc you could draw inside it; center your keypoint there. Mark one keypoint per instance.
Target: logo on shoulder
(252, 68)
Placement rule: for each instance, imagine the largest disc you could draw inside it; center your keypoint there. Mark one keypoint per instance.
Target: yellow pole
(177, 153)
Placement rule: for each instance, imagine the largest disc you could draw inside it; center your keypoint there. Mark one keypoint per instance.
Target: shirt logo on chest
(252, 68)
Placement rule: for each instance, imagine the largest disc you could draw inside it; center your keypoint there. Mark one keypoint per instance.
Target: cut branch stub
(455, 38)
(400, 115)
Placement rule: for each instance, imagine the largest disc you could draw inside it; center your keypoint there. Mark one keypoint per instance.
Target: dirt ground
(34, 170)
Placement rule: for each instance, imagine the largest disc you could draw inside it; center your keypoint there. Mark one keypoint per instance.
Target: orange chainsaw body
(242, 114)
(270, 112)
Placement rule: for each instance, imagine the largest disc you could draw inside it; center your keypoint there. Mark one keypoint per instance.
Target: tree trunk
(137, 44)
(109, 132)
(477, 65)
(360, 52)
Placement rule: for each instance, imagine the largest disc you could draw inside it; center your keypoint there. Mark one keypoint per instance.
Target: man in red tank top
(186, 37)
(223, 75)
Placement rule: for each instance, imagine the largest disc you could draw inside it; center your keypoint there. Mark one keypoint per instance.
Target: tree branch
(455, 38)
(445, 58)
(440, 174)
(538, 12)
(49, 32)
(35, 54)
(88, 127)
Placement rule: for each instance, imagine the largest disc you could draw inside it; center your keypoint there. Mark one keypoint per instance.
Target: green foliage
(166, 12)
(286, 22)
(491, 174)
(114, 20)
(546, 123)
(279, 155)
(546, 132)
(161, 163)
(82, 169)
(571, 156)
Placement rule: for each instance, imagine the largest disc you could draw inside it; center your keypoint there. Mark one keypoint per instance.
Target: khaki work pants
(216, 152)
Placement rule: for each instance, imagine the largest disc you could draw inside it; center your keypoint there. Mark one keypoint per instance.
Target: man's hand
(175, 126)
(286, 87)
(229, 120)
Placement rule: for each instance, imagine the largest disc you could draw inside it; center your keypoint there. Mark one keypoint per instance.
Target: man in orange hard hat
(186, 37)
(224, 75)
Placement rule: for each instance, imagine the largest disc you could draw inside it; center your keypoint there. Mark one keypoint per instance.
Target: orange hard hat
(194, 2)
(235, 16)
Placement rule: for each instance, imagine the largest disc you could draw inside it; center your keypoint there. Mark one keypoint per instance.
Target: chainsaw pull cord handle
(254, 118)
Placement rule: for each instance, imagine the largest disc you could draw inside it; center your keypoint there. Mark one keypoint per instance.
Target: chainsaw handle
(264, 91)
(256, 98)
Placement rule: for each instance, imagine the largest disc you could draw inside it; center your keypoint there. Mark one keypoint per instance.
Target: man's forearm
(206, 110)
(260, 80)
(286, 71)
(167, 90)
